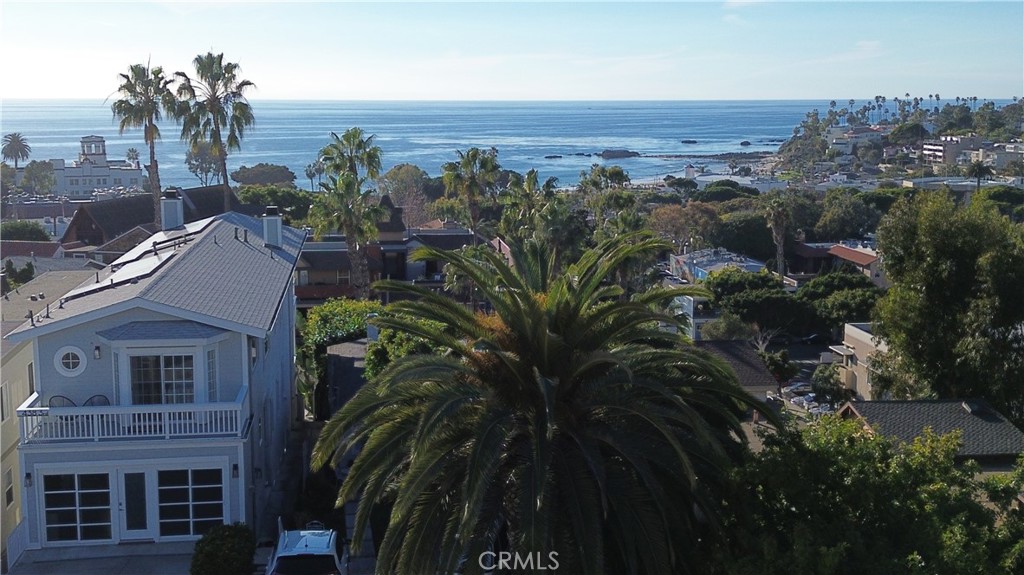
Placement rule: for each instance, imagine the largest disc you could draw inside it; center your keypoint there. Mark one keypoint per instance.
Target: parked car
(310, 551)
(797, 388)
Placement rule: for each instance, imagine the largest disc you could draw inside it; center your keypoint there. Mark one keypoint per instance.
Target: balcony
(41, 424)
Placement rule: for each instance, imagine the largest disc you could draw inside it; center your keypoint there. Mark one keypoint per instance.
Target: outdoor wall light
(28, 480)
(234, 470)
(96, 352)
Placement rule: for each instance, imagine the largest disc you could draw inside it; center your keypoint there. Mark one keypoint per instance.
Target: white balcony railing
(114, 422)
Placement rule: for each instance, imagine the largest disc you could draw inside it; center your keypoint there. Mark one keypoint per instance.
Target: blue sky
(532, 51)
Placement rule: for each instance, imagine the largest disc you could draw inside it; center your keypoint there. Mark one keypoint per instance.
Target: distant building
(854, 357)
(946, 149)
(699, 264)
(699, 311)
(92, 171)
(987, 437)
(865, 259)
(751, 372)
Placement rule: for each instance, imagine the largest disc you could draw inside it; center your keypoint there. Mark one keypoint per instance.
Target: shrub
(225, 550)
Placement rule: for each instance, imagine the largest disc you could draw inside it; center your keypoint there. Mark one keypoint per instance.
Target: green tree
(293, 202)
(746, 233)
(24, 230)
(37, 176)
(350, 161)
(7, 174)
(202, 163)
(769, 309)
(15, 147)
(952, 315)
(670, 223)
(978, 170)
(845, 216)
(144, 96)
(726, 327)
(840, 297)
(732, 280)
(132, 156)
(212, 102)
(311, 175)
(563, 421)
(832, 500)
(471, 179)
(264, 174)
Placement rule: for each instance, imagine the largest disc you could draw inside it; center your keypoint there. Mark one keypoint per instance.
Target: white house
(164, 388)
(92, 171)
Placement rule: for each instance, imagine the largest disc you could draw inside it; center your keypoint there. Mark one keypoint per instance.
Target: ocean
(428, 134)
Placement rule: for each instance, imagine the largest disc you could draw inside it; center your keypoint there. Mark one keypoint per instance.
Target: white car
(310, 551)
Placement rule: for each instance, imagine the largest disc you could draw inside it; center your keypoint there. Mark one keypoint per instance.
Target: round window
(69, 361)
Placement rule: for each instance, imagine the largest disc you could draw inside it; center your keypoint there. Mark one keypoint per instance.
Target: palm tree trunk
(780, 257)
(154, 184)
(360, 269)
(224, 180)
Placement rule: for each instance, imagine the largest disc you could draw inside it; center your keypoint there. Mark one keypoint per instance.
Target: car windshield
(305, 565)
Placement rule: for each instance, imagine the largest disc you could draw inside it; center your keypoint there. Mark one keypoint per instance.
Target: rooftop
(52, 285)
(986, 433)
(217, 268)
(743, 360)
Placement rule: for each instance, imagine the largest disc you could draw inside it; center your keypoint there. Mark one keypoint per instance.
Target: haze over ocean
(429, 133)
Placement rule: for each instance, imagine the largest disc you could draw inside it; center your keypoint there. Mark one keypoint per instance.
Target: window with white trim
(162, 379)
(211, 374)
(9, 487)
(5, 401)
(69, 361)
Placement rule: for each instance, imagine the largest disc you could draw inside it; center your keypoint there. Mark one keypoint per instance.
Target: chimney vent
(172, 210)
(272, 227)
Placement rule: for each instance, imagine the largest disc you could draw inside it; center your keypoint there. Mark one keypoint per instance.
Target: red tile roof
(851, 255)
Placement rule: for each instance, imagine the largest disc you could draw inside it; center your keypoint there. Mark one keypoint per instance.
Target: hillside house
(164, 388)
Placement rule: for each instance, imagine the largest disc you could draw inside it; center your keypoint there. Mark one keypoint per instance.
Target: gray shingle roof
(985, 431)
(216, 274)
(142, 330)
(743, 360)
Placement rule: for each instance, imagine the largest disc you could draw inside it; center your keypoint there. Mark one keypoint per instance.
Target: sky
(675, 50)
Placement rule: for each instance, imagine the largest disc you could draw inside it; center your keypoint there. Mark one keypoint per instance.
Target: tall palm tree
(777, 213)
(563, 421)
(344, 206)
(978, 170)
(132, 156)
(16, 148)
(311, 174)
(471, 179)
(145, 95)
(350, 160)
(214, 102)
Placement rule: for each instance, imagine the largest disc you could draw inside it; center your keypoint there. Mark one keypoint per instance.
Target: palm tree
(132, 156)
(212, 102)
(311, 174)
(16, 148)
(471, 179)
(978, 170)
(562, 422)
(345, 206)
(777, 214)
(145, 95)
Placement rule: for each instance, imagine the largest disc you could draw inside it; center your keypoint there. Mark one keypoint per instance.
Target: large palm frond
(565, 421)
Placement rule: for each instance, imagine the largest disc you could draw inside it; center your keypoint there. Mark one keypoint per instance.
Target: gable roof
(118, 215)
(43, 265)
(130, 239)
(446, 239)
(986, 433)
(851, 255)
(743, 360)
(217, 271)
(394, 222)
(26, 248)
